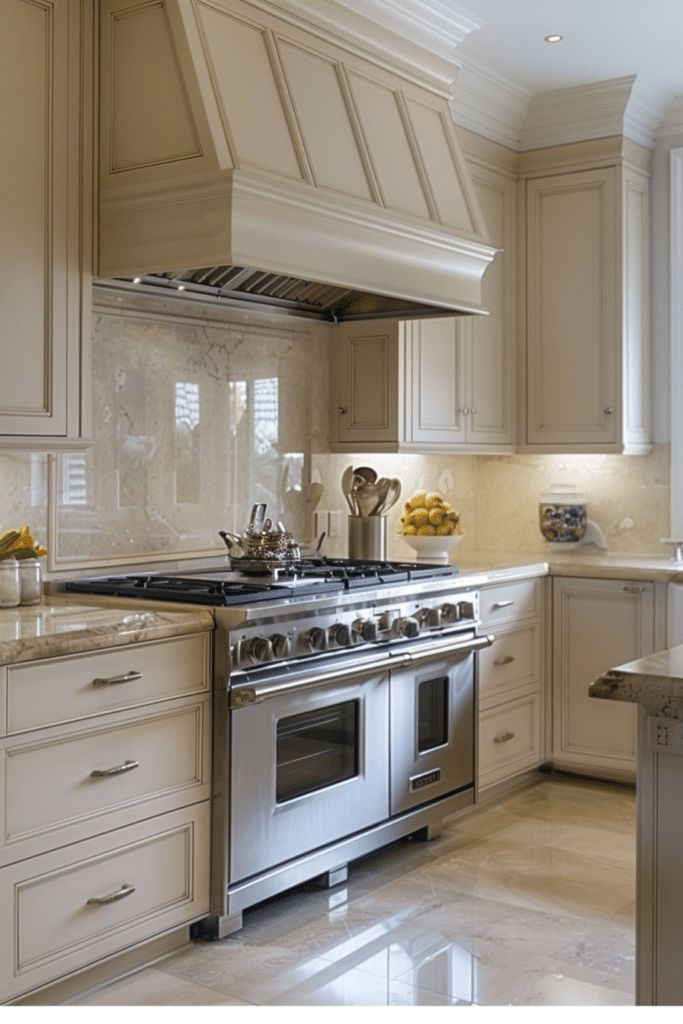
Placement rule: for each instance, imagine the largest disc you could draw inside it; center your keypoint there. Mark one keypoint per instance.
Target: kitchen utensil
(367, 473)
(364, 496)
(346, 483)
(382, 485)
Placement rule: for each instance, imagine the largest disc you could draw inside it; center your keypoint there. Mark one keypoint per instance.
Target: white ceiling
(603, 39)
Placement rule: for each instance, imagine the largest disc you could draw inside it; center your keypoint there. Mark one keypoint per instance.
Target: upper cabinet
(45, 212)
(443, 384)
(587, 381)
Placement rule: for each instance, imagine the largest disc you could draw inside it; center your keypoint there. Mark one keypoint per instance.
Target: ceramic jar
(563, 515)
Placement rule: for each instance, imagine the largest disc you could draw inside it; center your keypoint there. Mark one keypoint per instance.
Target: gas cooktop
(314, 577)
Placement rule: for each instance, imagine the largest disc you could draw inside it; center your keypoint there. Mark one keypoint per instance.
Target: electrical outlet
(335, 525)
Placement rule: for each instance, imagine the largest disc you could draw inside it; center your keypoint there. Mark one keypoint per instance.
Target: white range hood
(290, 153)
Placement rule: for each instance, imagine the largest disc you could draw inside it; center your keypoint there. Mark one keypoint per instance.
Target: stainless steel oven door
(432, 728)
(309, 764)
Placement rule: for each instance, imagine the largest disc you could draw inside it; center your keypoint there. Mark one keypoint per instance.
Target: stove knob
(341, 634)
(365, 630)
(465, 610)
(449, 613)
(260, 649)
(281, 645)
(433, 618)
(408, 628)
(316, 637)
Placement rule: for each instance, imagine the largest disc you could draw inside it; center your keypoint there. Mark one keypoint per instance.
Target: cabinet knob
(341, 410)
(465, 411)
(608, 410)
(473, 411)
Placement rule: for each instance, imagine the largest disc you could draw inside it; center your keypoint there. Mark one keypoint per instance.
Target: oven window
(316, 749)
(432, 713)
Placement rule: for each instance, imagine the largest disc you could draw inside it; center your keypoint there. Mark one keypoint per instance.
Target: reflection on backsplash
(23, 492)
(197, 416)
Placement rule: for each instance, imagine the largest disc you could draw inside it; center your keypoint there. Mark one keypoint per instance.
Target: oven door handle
(245, 696)
(477, 643)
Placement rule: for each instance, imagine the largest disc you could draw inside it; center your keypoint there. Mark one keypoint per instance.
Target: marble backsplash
(498, 495)
(23, 492)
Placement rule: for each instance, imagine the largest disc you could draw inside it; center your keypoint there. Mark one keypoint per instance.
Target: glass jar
(563, 515)
(10, 583)
(31, 575)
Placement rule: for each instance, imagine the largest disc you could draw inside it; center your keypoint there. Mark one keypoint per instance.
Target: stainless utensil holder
(367, 537)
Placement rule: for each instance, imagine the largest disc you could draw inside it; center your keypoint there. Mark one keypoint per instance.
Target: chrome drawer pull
(507, 659)
(502, 604)
(113, 897)
(118, 769)
(503, 737)
(127, 677)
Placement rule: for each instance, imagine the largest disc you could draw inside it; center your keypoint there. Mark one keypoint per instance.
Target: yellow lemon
(408, 530)
(435, 516)
(418, 499)
(444, 530)
(419, 517)
(426, 531)
(433, 500)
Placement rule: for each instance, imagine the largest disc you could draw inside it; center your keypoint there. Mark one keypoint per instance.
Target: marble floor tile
(527, 902)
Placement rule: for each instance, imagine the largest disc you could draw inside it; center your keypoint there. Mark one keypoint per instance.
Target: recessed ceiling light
(553, 38)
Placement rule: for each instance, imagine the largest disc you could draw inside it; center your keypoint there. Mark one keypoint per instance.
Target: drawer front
(509, 739)
(87, 774)
(145, 880)
(65, 689)
(512, 661)
(509, 601)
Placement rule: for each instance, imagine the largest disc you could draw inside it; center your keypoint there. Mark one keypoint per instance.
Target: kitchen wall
(498, 496)
(199, 412)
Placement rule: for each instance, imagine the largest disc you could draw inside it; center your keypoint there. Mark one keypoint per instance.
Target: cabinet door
(598, 624)
(40, 213)
(573, 321)
(365, 385)
(490, 340)
(434, 388)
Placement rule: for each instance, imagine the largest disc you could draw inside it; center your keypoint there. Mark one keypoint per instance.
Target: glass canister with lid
(563, 514)
(10, 583)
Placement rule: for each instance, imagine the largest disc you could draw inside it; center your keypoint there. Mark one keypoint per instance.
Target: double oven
(359, 731)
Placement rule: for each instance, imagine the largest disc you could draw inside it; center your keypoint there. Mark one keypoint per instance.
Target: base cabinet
(510, 682)
(597, 624)
(104, 804)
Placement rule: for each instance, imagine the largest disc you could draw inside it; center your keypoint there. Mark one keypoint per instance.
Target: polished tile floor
(529, 901)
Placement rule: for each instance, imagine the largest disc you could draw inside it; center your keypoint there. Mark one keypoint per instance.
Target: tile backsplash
(199, 412)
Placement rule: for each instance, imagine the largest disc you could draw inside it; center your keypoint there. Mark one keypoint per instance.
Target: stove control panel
(336, 630)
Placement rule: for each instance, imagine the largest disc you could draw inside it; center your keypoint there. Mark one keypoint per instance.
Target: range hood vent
(289, 155)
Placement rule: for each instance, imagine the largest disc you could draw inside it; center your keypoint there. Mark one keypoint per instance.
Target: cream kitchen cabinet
(444, 384)
(46, 77)
(586, 386)
(510, 717)
(596, 624)
(104, 804)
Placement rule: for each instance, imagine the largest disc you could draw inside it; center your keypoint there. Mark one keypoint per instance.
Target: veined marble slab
(60, 627)
(655, 682)
(581, 563)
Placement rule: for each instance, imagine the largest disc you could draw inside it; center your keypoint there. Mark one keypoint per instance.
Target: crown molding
(432, 24)
(591, 111)
(490, 105)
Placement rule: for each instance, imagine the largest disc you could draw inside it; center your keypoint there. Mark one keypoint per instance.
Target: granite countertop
(655, 681)
(62, 626)
(583, 562)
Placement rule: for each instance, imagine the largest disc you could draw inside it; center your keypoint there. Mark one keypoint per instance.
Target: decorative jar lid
(563, 494)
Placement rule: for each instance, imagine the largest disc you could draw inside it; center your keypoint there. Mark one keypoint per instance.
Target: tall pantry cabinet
(46, 80)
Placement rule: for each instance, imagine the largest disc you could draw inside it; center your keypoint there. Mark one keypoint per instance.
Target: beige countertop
(655, 681)
(62, 626)
(583, 562)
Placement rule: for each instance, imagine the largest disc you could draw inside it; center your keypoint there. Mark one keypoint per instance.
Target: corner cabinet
(46, 67)
(587, 379)
(597, 624)
(444, 384)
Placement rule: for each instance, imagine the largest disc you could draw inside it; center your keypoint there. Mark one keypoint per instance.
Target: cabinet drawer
(509, 739)
(149, 878)
(64, 689)
(512, 661)
(139, 758)
(509, 601)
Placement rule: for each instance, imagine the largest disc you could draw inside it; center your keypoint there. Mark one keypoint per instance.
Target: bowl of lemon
(431, 526)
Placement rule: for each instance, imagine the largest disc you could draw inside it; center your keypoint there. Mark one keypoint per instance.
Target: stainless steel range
(343, 714)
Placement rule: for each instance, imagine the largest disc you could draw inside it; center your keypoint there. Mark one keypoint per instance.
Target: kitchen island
(655, 683)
